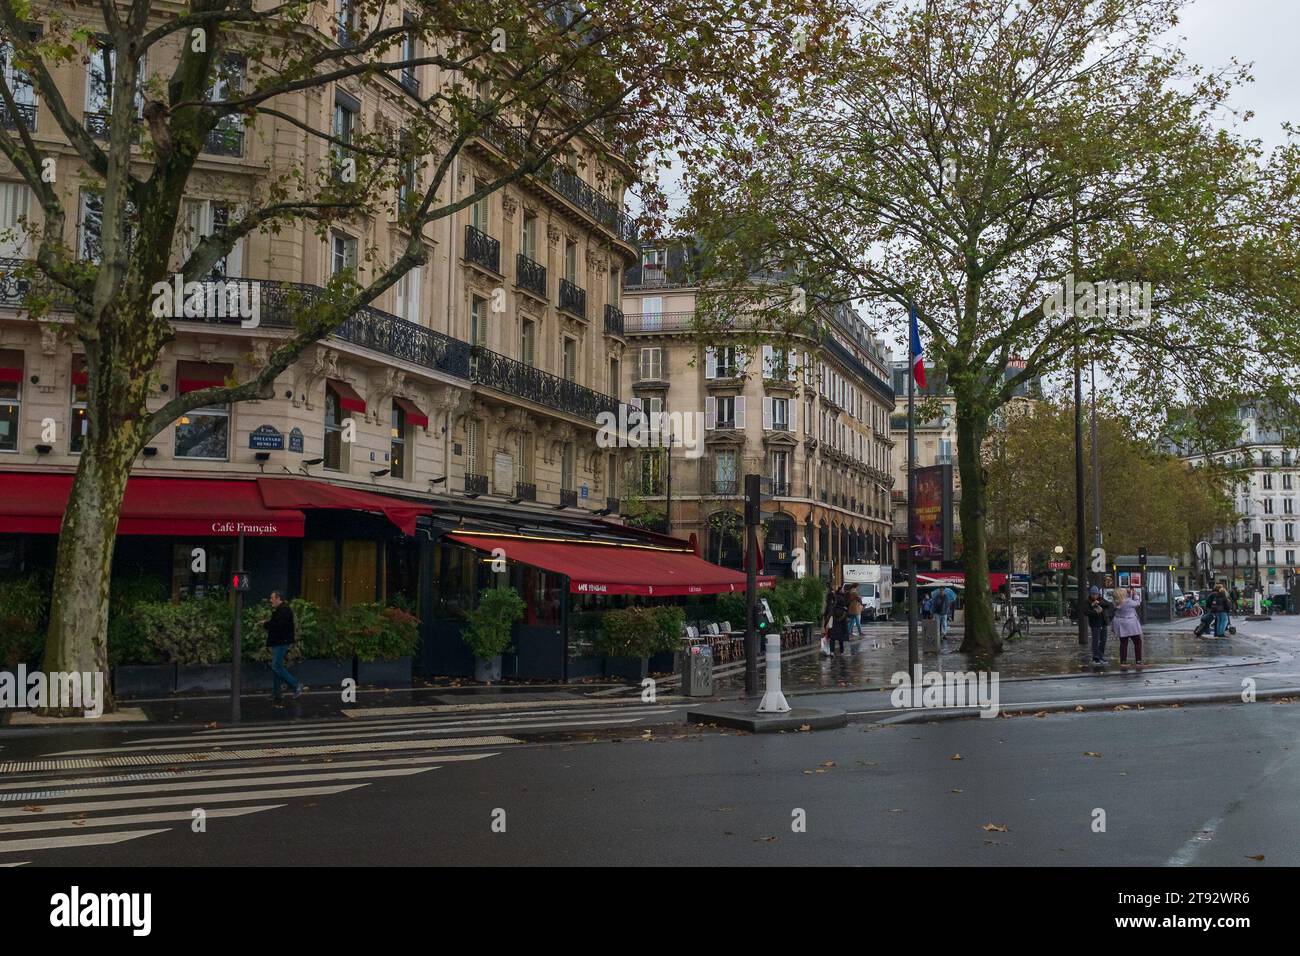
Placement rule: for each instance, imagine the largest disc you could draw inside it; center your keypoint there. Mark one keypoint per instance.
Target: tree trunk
(980, 636)
(77, 637)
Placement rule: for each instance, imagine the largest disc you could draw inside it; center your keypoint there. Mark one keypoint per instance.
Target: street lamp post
(1060, 582)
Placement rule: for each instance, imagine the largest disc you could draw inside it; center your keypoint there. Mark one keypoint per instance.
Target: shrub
(126, 641)
(490, 624)
(637, 631)
(196, 631)
(668, 636)
(316, 630)
(24, 610)
(374, 632)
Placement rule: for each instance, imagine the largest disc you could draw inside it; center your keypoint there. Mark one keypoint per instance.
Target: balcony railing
(525, 491)
(599, 207)
(780, 487)
(225, 140)
(613, 319)
(476, 484)
(530, 275)
(573, 298)
(482, 249)
(568, 498)
(281, 303)
(26, 110)
(659, 322)
(408, 80)
(532, 384)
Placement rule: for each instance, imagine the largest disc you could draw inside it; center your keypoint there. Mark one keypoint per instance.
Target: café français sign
(266, 438)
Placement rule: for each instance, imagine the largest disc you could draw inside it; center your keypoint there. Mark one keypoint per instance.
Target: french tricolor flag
(918, 355)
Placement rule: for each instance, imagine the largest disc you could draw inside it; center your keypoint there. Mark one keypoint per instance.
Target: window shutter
(14, 199)
(768, 409)
(794, 417)
(710, 413)
(710, 363)
(740, 411)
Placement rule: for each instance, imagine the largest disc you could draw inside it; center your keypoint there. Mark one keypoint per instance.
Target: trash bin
(930, 632)
(697, 672)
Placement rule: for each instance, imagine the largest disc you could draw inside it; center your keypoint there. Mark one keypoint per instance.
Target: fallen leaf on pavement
(1091, 753)
(32, 808)
(828, 763)
(801, 727)
(1080, 707)
(770, 839)
(213, 725)
(1257, 859)
(955, 757)
(955, 790)
(1122, 707)
(995, 828)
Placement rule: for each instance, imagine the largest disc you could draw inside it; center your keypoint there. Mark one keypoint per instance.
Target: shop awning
(412, 410)
(601, 568)
(307, 495)
(349, 399)
(193, 376)
(33, 503)
(11, 365)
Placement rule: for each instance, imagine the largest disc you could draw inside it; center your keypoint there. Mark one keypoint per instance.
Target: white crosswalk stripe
(144, 786)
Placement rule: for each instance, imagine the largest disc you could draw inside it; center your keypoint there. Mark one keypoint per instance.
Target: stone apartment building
(811, 416)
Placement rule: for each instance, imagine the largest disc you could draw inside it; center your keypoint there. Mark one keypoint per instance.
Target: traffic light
(753, 499)
(1142, 556)
(239, 581)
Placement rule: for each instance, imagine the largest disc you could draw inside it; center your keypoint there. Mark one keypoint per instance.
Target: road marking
(470, 708)
(430, 732)
(189, 799)
(141, 760)
(130, 818)
(86, 839)
(1194, 846)
(31, 796)
(204, 772)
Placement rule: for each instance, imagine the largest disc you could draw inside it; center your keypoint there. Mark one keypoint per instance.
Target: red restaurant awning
(33, 503)
(303, 494)
(349, 400)
(192, 376)
(413, 413)
(599, 568)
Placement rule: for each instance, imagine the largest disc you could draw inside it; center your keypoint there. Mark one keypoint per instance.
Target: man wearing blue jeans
(279, 638)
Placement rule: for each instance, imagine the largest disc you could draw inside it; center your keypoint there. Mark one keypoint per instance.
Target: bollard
(773, 701)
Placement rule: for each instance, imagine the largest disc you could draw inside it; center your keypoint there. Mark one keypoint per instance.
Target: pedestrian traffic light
(1142, 556)
(239, 581)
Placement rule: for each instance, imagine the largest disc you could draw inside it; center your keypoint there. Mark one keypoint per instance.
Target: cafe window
(11, 383)
(202, 432)
(360, 573)
(318, 573)
(397, 443)
(79, 423)
(213, 580)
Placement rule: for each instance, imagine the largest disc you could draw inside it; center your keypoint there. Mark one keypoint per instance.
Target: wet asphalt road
(1182, 786)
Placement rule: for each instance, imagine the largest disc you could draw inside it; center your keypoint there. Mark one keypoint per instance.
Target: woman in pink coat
(1126, 625)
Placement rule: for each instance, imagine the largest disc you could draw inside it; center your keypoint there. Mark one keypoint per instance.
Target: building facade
(479, 377)
(808, 414)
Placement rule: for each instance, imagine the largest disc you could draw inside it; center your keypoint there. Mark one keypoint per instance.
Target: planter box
(664, 662)
(394, 673)
(144, 680)
(253, 677)
(580, 667)
(197, 677)
(320, 672)
(487, 670)
(632, 669)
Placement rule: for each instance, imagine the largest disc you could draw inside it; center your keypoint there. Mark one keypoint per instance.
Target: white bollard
(773, 701)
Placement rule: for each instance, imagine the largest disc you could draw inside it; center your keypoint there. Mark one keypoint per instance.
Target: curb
(796, 719)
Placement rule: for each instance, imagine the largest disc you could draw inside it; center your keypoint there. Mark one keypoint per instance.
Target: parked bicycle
(1016, 625)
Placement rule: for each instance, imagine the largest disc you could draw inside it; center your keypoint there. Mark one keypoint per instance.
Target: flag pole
(913, 647)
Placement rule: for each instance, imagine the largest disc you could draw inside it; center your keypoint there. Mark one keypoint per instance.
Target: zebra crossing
(149, 785)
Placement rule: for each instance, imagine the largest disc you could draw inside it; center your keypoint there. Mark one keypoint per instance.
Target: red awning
(33, 503)
(11, 365)
(413, 413)
(192, 376)
(304, 494)
(599, 568)
(349, 400)
(80, 375)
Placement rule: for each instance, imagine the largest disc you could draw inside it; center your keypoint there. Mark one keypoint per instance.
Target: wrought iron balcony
(225, 140)
(476, 484)
(482, 249)
(409, 82)
(26, 110)
(613, 319)
(780, 487)
(530, 275)
(528, 382)
(573, 299)
(97, 126)
(525, 491)
(601, 208)
(568, 498)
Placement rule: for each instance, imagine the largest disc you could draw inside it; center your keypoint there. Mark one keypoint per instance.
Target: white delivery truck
(876, 588)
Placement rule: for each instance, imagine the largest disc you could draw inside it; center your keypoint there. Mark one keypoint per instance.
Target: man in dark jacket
(279, 638)
(1220, 604)
(837, 612)
(1099, 613)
